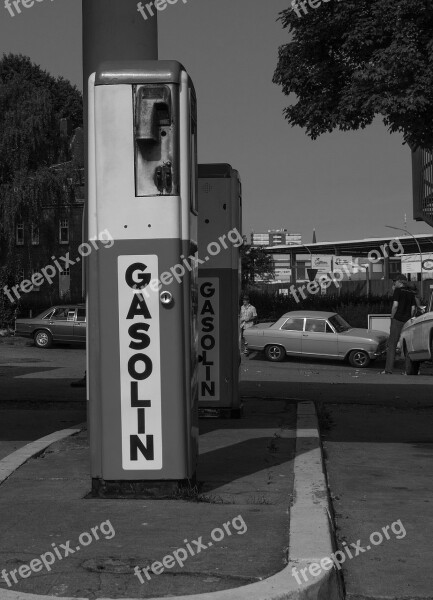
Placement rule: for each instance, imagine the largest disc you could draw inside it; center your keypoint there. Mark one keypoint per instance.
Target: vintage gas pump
(220, 211)
(142, 315)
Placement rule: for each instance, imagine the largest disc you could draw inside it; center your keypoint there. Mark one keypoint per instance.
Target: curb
(13, 461)
(310, 531)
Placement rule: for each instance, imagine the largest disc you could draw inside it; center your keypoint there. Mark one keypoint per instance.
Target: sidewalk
(379, 465)
(246, 470)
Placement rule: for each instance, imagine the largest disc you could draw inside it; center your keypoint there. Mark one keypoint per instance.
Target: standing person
(247, 317)
(403, 308)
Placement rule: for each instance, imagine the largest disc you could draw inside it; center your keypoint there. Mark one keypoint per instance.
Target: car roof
(318, 314)
(64, 306)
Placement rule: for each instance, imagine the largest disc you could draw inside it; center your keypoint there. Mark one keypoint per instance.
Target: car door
(61, 323)
(417, 337)
(288, 335)
(319, 339)
(80, 325)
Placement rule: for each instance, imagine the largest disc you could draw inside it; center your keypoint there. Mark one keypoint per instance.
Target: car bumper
(378, 353)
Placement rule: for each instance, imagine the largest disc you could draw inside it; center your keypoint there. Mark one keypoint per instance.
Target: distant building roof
(359, 247)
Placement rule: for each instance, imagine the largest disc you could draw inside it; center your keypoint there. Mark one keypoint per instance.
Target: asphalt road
(377, 433)
(29, 375)
(334, 381)
(379, 464)
(35, 394)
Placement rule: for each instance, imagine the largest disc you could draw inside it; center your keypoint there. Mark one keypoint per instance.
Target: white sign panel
(379, 323)
(209, 342)
(321, 262)
(341, 262)
(140, 373)
(411, 263)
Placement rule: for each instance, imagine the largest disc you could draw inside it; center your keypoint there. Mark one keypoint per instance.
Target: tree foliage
(256, 264)
(32, 102)
(349, 61)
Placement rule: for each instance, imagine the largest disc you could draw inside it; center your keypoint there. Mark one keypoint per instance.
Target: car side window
(48, 315)
(329, 328)
(316, 325)
(81, 314)
(60, 314)
(293, 324)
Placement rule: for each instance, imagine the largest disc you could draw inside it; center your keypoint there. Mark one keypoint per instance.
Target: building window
(64, 231)
(20, 234)
(301, 272)
(35, 235)
(394, 266)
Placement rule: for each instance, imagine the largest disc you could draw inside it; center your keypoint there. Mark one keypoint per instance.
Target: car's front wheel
(275, 353)
(359, 359)
(411, 367)
(43, 339)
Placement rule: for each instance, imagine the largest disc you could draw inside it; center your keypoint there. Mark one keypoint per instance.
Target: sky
(345, 185)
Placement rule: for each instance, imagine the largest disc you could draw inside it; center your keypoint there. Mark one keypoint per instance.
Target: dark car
(65, 323)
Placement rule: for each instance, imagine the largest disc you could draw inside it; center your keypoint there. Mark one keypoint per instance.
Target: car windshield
(339, 324)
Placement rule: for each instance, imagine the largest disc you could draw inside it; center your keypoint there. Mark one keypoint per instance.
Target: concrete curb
(310, 532)
(13, 461)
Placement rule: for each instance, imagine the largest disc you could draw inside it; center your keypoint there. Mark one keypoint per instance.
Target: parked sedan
(417, 340)
(317, 334)
(65, 323)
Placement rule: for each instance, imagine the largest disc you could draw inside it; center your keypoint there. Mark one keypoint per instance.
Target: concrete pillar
(386, 267)
(293, 267)
(114, 30)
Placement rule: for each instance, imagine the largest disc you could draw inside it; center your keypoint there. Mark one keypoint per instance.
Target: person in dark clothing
(403, 309)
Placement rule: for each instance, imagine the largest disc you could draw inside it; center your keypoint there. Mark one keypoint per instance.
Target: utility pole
(113, 30)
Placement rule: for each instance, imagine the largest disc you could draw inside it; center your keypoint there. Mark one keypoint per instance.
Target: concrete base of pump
(157, 489)
(224, 412)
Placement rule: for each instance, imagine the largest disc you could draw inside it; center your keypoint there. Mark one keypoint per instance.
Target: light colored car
(417, 340)
(63, 323)
(316, 334)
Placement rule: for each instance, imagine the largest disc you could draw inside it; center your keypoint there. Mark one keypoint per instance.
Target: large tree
(256, 265)
(32, 102)
(349, 61)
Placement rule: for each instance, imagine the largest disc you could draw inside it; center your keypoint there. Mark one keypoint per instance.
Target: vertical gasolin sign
(220, 203)
(209, 339)
(142, 304)
(139, 357)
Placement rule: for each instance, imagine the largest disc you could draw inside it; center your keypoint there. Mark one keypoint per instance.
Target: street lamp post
(419, 250)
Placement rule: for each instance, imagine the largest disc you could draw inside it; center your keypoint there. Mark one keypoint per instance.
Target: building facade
(275, 237)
